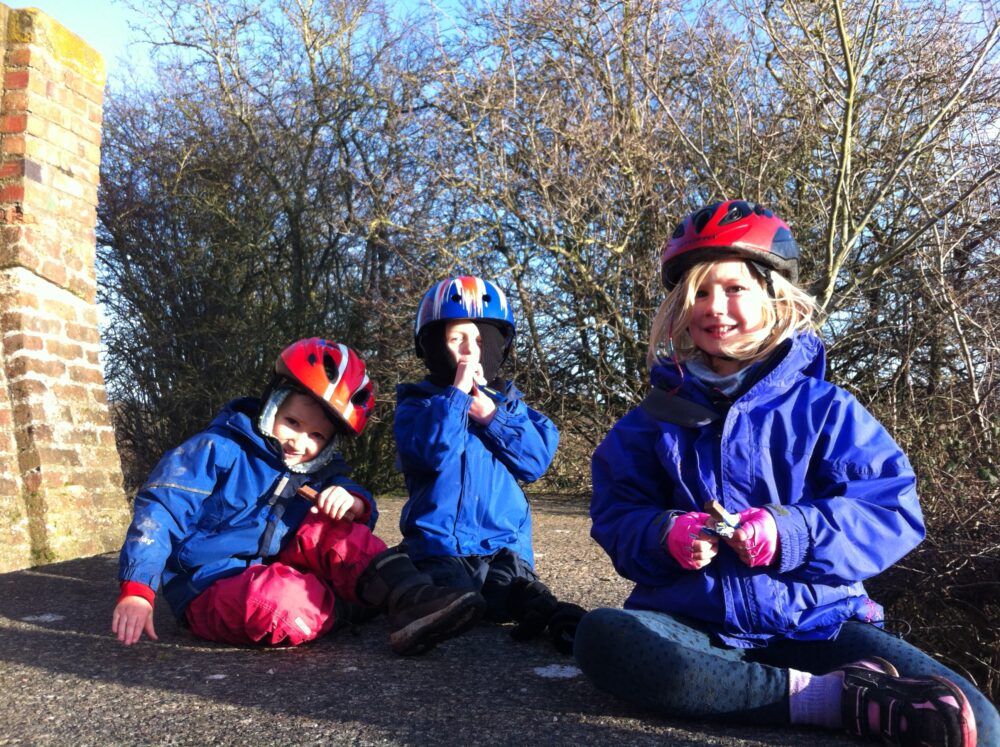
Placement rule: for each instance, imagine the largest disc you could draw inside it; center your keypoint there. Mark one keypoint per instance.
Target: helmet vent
(330, 368)
(487, 298)
(456, 298)
(701, 219)
(679, 231)
(360, 398)
(311, 359)
(737, 211)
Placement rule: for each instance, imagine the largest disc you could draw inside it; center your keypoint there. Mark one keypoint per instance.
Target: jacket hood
(242, 417)
(801, 355)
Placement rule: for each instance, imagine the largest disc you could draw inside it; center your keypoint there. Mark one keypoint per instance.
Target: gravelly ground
(66, 681)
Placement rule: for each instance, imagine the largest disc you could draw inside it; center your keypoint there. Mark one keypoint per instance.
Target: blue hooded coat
(842, 493)
(218, 503)
(462, 477)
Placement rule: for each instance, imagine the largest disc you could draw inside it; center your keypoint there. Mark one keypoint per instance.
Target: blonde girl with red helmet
(748, 499)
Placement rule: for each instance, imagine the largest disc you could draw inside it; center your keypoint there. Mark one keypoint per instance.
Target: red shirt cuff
(136, 589)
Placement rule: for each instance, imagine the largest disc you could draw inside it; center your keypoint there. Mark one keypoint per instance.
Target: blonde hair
(788, 311)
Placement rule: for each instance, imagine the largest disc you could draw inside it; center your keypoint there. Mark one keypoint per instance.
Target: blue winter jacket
(841, 491)
(218, 503)
(462, 477)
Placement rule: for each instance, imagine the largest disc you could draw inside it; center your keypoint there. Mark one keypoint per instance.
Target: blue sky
(104, 25)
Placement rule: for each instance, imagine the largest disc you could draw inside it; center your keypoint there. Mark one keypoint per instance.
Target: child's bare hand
(468, 373)
(132, 617)
(478, 375)
(482, 408)
(337, 503)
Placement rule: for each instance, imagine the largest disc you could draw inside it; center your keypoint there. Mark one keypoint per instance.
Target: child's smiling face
(302, 428)
(729, 302)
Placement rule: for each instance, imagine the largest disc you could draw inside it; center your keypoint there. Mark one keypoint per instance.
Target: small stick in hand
(726, 523)
(308, 493)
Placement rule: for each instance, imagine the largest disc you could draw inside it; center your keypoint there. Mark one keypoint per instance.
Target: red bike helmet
(734, 228)
(335, 374)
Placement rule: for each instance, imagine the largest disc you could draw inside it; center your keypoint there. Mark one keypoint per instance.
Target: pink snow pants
(291, 600)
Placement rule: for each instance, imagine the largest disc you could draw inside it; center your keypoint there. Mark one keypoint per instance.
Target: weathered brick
(23, 414)
(39, 432)
(15, 79)
(13, 123)
(32, 480)
(21, 341)
(10, 233)
(83, 333)
(55, 272)
(52, 458)
(70, 392)
(67, 352)
(52, 478)
(23, 390)
(24, 365)
(86, 375)
(18, 56)
(57, 307)
(13, 145)
(12, 169)
(15, 101)
(29, 461)
(12, 193)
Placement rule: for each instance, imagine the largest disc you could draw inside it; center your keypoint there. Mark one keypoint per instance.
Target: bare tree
(276, 149)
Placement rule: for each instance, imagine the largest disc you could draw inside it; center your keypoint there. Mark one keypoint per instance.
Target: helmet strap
(765, 274)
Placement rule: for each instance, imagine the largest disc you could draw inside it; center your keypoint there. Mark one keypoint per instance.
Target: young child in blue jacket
(259, 536)
(465, 439)
(757, 614)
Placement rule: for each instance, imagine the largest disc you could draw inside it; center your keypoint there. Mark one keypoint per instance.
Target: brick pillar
(60, 477)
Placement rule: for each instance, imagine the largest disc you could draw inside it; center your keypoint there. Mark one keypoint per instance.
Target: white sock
(814, 699)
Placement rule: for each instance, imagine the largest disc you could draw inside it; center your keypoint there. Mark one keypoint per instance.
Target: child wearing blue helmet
(465, 440)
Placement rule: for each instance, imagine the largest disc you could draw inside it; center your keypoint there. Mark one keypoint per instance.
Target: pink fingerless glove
(762, 536)
(682, 535)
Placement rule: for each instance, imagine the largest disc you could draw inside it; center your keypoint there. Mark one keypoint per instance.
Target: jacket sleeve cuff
(793, 536)
(136, 589)
(500, 421)
(459, 399)
(366, 501)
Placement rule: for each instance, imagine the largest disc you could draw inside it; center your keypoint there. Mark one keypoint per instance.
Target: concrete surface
(65, 680)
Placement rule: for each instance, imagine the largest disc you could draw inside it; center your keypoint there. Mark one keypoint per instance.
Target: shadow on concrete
(67, 681)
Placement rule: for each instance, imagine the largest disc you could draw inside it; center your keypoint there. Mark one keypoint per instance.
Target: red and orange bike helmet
(734, 228)
(335, 375)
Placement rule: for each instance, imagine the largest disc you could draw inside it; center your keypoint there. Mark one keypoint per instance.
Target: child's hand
(337, 503)
(756, 540)
(482, 408)
(469, 373)
(689, 546)
(132, 617)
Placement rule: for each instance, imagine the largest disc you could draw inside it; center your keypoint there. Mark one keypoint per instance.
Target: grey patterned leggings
(672, 666)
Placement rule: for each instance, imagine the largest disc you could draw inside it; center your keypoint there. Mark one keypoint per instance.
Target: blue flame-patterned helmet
(465, 297)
